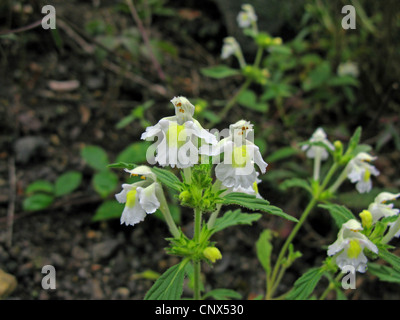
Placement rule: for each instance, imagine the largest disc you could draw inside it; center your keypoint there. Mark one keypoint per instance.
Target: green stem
(167, 215)
(196, 263)
(296, 228)
(231, 102)
(274, 280)
(330, 287)
(317, 163)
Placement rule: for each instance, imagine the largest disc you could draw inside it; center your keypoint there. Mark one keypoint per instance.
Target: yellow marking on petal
(354, 249)
(367, 175)
(134, 175)
(239, 157)
(255, 187)
(174, 132)
(143, 177)
(131, 198)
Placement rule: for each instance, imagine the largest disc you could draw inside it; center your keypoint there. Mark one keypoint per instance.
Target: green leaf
(222, 294)
(38, 201)
(305, 285)
(40, 186)
(354, 141)
(295, 182)
(384, 273)
(105, 182)
(339, 213)
(136, 153)
(317, 77)
(248, 99)
(343, 81)
(233, 218)
(95, 157)
(219, 71)
(264, 250)
(389, 258)
(281, 154)
(170, 285)
(253, 203)
(67, 182)
(167, 178)
(110, 209)
(122, 165)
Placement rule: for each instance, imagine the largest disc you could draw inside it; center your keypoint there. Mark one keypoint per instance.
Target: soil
(105, 260)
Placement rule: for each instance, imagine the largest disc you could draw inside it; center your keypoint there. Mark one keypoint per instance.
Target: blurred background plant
(109, 89)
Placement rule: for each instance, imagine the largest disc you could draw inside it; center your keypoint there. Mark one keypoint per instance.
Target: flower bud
(366, 218)
(338, 153)
(185, 196)
(212, 254)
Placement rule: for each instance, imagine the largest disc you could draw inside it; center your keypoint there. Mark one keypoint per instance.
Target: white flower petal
(148, 198)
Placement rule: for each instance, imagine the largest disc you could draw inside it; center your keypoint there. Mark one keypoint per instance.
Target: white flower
(380, 209)
(237, 169)
(246, 17)
(316, 151)
(349, 246)
(360, 170)
(348, 68)
(230, 47)
(253, 189)
(141, 197)
(178, 136)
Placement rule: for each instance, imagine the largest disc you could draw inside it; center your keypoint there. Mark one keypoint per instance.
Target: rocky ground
(43, 130)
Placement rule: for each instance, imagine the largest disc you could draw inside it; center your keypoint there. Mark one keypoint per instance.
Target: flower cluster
(354, 237)
(182, 142)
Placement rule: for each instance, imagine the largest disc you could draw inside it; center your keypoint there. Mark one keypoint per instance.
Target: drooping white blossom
(247, 16)
(359, 171)
(349, 247)
(141, 197)
(317, 151)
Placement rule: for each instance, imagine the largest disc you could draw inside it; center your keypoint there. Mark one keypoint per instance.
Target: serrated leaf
(110, 209)
(38, 201)
(340, 214)
(170, 285)
(219, 71)
(167, 178)
(39, 186)
(305, 285)
(105, 182)
(390, 258)
(222, 294)
(264, 250)
(95, 157)
(233, 218)
(384, 273)
(67, 182)
(253, 203)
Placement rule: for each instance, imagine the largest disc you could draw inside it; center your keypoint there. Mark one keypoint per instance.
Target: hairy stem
(197, 263)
